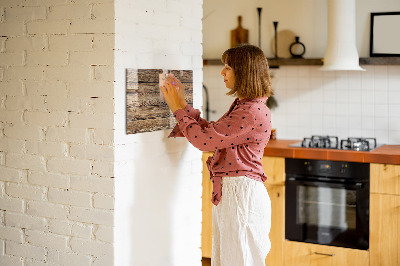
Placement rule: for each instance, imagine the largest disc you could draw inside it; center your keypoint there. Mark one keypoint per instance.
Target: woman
(242, 208)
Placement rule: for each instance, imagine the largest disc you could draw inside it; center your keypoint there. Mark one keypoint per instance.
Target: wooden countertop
(389, 154)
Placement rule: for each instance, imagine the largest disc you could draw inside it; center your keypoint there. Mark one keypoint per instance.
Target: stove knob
(343, 168)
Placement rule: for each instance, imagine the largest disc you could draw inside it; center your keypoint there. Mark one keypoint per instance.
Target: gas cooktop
(332, 142)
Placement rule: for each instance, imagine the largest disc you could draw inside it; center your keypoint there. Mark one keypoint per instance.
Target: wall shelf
(274, 63)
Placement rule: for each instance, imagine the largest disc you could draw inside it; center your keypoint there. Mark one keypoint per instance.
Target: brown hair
(250, 66)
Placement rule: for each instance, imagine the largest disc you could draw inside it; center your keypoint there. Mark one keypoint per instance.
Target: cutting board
(239, 35)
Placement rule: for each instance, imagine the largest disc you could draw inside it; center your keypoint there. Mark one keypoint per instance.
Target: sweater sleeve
(229, 131)
(193, 113)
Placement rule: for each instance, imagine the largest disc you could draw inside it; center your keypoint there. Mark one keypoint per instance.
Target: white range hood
(341, 51)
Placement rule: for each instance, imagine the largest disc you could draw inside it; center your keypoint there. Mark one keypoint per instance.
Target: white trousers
(241, 223)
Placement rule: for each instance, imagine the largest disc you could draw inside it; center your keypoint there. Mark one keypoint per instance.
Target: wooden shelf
(274, 63)
(380, 61)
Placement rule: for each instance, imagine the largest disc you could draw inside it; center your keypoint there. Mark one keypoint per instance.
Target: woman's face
(229, 76)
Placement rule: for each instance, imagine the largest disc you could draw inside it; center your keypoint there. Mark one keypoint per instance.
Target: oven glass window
(326, 207)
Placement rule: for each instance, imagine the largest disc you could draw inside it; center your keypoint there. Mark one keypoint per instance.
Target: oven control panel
(338, 169)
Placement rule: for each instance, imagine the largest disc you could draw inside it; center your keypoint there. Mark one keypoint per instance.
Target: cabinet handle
(324, 254)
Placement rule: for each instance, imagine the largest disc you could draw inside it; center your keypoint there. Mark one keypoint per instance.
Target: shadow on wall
(156, 190)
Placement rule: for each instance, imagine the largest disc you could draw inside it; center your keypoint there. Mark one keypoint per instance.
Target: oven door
(327, 213)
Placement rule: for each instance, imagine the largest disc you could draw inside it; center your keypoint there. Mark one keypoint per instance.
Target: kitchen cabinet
(385, 214)
(305, 254)
(206, 225)
(274, 168)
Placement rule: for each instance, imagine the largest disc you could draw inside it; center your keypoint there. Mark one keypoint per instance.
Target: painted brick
(69, 197)
(93, 184)
(103, 11)
(82, 230)
(104, 233)
(81, 73)
(104, 73)
(32, 262)
(12, 234)
(95, 216)
(46, 58)
(26, 161)
(103, 41)
(91, 89)
(46, 88)
(24, 13)
(47, 240)
(10, 174)
(92, 151)
(91, 26)
(56, 103)
(103, 169)
(25, 250)
(44, 27)
(3, 44)
(91, 58)
(25, 221)
(12, 145)
(2, 222)
(71, 43)
(22, 43)
(25, 103)
(70, 12)
(11, 59)
(46, 209)
(103, 202)
(69, 166)
(11, 29)
(25, 191)
(56, 149)
(11, 116)
(2, 158)
(48, 179)
(105, 260)
(91, 247)
(68, 258)
(11, 260)
(24, 132)
(46, 118)
(12, 204)
(74, 135)
(46, 2)
(98, 120)
(60, 227)
(101, 136)
(11, 88)
(24, 73)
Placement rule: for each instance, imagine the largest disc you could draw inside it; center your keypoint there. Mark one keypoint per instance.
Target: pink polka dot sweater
(238, 139)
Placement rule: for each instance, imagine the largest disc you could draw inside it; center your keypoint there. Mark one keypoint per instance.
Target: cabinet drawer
(304, 254)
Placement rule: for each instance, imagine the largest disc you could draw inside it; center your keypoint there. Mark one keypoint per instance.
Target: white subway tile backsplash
(347, 103)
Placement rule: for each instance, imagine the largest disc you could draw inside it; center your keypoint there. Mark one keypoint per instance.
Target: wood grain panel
(305, 254)
(145, 109)
(384, 236)
(385, 178)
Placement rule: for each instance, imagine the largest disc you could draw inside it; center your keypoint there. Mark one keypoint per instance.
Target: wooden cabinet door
(384, 236)
(274, 168)
(304, 254)
(277, 233)
(206, 225)
(385, 178)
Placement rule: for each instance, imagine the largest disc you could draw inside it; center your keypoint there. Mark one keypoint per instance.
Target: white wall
(56, 132)
(344, 103)
(305, 18)
(158, 180)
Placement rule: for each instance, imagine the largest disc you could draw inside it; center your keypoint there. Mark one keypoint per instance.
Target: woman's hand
(181, 92)
(173, 94)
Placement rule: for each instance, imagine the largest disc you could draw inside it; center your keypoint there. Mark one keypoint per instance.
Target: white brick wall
(56, 132)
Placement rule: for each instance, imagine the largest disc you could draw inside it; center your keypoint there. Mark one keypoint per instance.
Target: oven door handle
(357, 185)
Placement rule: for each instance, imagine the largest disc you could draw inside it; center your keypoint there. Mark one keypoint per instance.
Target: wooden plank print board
(146, 111)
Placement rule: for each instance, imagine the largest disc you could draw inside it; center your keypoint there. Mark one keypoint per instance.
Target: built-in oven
(327, 202)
